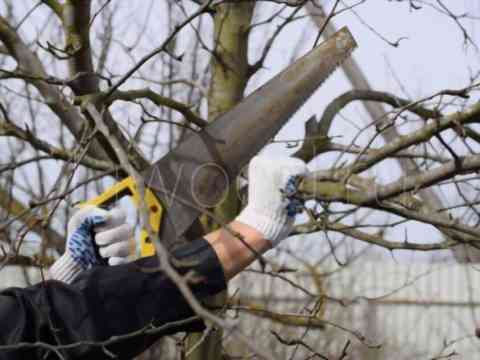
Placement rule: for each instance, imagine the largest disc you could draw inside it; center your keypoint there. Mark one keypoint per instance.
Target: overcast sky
(432, 57)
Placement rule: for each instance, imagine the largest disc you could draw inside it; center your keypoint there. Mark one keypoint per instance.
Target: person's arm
(107, 302)
(95, 237)
(267, 219)
(115, 301)
(233, 253)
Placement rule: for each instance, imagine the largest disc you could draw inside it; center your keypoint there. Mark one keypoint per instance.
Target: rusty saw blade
(195, 175)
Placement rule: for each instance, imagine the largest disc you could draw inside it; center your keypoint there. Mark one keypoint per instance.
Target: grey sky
(433, 57)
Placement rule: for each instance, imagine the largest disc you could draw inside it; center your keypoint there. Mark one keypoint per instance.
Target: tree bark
(227, 85)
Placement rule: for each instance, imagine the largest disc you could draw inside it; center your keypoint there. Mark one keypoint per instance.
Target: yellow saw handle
(128, 187)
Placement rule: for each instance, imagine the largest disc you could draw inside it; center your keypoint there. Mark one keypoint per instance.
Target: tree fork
(227, 85)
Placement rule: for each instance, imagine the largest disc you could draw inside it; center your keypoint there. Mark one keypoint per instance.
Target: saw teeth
(346, 38)
(245, 129)
(345, 57)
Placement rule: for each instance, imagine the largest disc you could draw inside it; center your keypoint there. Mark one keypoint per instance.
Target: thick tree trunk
(227, 86)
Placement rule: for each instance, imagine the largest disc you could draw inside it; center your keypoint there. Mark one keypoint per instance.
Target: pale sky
(431, 58)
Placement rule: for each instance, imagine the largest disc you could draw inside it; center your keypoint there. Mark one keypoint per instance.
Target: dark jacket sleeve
(104, 305)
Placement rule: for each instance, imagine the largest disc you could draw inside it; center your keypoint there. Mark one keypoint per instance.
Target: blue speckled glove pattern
(295, 204)
(94, 235)
(272, 195)
(80, 243)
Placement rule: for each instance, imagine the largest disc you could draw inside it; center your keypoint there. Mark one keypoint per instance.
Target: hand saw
(195, 175)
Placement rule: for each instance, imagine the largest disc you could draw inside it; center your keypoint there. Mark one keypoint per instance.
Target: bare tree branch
(158, 100)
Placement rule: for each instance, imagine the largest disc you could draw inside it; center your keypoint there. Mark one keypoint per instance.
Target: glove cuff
(65, 269)
(274, 227)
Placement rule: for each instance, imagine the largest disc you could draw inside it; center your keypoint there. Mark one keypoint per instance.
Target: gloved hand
(92, 225)
(270, 209)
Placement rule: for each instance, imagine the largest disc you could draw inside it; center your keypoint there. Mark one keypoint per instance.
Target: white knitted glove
(94, 235)
(270, 209)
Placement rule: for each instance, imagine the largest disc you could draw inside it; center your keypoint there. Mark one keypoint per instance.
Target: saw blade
(195, 175)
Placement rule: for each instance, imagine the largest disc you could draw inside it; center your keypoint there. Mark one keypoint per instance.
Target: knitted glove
(94, 235)
(272, 206)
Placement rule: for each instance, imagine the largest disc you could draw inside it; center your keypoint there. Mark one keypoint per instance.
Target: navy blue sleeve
(107, 304)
